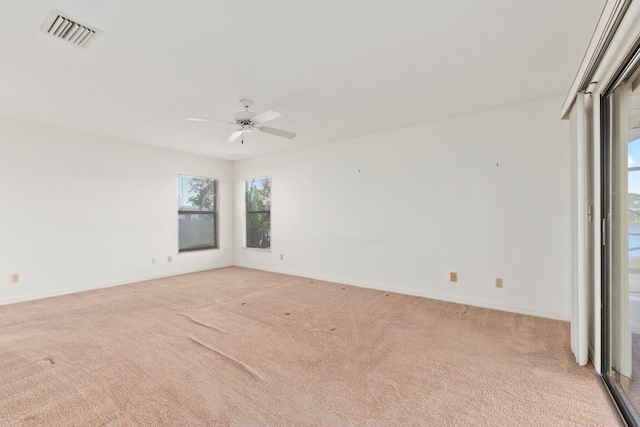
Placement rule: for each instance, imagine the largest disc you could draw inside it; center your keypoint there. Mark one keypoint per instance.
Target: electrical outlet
(14, 278)
(153, 260)
(169, 259)
(498, 282)
(281, 257)
(453, 277)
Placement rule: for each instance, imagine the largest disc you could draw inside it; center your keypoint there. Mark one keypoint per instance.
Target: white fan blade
(233, 136)
(279, 132)
(196, 119)
(265, 116)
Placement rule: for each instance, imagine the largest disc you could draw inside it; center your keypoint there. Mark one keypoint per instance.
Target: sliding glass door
(621, 241)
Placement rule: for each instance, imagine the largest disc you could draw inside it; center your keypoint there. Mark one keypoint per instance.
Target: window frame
(248, 213)
(191, 214)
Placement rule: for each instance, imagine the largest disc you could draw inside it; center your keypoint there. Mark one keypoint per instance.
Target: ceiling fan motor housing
(243, 118)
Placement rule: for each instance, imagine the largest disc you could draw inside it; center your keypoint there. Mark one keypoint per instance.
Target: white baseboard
(56, 293)
(483, 304)
(447, 298)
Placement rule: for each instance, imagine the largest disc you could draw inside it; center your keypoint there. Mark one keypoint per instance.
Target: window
(258, 218)
(197, 213)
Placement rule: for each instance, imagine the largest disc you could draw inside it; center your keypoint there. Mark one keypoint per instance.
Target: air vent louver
(68, 29)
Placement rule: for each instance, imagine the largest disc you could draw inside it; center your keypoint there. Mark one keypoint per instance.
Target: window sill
(197, 250)
(256, 249)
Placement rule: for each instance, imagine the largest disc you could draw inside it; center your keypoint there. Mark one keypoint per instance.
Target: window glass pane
(259, 194)
(197, 218)
(258, 212)
(259, 230)
(634, 212)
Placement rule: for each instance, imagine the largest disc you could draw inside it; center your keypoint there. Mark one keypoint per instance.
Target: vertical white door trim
(596, 355)
(579, 221)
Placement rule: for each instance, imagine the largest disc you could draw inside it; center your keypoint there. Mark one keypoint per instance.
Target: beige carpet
(239, 347)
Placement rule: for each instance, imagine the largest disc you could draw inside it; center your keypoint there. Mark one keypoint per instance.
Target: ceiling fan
(248, 120)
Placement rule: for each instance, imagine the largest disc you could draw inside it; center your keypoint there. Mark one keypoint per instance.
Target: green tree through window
(258, 212)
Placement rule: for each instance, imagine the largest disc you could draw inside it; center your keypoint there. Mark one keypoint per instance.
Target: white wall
(396, 211)
(400, 210)
(79, 212)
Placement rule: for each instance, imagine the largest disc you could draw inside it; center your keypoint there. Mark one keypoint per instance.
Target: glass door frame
(629, 70)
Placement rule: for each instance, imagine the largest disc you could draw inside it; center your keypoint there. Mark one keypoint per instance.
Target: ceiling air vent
(68, 29)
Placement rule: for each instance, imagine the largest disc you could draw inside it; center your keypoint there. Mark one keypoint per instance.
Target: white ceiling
(334, 69)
